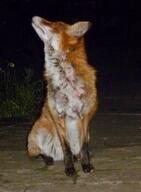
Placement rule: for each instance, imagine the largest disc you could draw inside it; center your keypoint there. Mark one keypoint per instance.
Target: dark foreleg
(85, 159)
(68, 160)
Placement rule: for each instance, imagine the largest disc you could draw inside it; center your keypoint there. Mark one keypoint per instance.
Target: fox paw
(88, 168)
(48, 160)
(70, 171)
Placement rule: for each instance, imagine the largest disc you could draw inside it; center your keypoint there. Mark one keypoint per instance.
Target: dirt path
(116, 151)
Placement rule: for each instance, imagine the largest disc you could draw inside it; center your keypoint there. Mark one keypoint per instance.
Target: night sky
(113, 42)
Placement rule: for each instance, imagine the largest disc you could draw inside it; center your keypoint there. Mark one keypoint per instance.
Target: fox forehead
(57, 26)
(60, 31)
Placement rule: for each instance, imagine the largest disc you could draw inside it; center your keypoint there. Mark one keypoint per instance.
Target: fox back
(62, 129)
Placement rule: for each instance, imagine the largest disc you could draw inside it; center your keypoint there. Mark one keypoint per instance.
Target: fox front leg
(69, 162)
(87, 167)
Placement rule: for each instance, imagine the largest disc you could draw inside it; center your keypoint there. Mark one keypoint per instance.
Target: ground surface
(116, 151)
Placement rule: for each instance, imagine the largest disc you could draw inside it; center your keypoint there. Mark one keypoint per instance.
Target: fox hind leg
(47, 160)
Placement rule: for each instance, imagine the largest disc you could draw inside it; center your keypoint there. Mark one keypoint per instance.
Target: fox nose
(36, 19)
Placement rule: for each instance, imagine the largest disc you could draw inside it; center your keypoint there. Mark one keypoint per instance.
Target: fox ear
(42, 28)
(79, 29)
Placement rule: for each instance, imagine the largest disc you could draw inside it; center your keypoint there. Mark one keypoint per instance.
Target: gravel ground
(115, 149)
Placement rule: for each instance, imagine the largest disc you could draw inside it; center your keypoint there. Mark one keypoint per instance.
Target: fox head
(61, 36)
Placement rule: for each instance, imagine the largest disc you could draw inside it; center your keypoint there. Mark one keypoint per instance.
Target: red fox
(62, 130)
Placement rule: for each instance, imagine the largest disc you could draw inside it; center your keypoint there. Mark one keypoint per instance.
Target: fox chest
(68, 89)
(70, 105)
(68, 100)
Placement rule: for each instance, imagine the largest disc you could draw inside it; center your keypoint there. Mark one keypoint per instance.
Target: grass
(19, 93)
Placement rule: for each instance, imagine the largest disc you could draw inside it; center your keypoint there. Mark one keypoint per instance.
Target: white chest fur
(68, 88)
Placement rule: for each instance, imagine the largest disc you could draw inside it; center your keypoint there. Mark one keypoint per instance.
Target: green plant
(19, 93)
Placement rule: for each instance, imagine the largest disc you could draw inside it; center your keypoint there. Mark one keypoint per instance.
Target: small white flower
(11, 64)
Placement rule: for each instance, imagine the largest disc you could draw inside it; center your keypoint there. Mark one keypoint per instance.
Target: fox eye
(71, 49)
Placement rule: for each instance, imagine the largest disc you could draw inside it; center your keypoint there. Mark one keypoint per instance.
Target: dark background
(113, 43)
